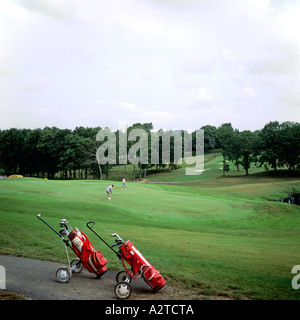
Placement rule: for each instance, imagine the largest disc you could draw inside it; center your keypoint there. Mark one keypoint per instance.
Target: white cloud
(249, 92)
(52, 8)
(201, 98)
(174, 63)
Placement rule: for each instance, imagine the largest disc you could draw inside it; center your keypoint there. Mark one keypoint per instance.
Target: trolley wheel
(123, 276)
(123, 290)
(76, 265)
(63, 274)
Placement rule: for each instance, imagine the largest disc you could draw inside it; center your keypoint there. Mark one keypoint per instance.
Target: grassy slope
(220, 236)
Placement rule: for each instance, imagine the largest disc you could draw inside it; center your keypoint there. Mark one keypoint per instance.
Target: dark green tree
(269, 144)
(290, 145)
(50, 146)
(209, 137)
(225, 137)
(247, 149)
(12, 151)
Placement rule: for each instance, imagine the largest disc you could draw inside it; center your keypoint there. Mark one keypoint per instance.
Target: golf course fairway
(225, 236)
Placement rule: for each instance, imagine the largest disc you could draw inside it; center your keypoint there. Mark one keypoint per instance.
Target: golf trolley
(88, 257)
(140, 267)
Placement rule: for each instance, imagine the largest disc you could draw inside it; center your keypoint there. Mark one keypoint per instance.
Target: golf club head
(63, 232)
(63, 223)
(119, 241)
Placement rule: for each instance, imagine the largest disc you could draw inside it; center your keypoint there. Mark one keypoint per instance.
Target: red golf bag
(139, 264)
(92, 260)
(88, 257)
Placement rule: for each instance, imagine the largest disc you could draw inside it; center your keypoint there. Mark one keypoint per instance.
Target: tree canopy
(72, 153)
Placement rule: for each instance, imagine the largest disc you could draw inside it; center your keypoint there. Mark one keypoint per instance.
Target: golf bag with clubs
(140, 267)
(88, 256)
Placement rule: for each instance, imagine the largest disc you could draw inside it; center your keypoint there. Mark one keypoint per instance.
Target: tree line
(275, 146)
(71, 154)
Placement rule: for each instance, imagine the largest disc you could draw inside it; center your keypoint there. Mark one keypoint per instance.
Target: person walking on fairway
(109, 191)
(124, 184)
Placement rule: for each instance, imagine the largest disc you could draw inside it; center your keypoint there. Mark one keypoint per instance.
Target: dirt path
(36, 279)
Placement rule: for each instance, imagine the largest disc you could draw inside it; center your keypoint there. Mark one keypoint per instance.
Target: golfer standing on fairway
(124, 184)
(108, 191)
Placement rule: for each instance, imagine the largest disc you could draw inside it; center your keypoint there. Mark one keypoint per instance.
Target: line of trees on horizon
(71, 154)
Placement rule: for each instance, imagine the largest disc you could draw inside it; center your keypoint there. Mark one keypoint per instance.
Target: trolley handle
(66, 241)
(39, 217)
(91, 222)
(90, 225)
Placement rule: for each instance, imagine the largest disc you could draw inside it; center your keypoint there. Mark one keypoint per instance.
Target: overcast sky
(179, 64)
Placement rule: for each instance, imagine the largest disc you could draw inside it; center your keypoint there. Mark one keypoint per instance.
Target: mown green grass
(164, 175)
(219, 237)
